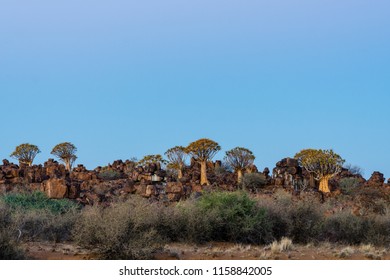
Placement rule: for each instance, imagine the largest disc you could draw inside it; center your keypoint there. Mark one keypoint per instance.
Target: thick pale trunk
(67, 165)
(239, 175)
(179, 173)
(324, 184)
(203, 173)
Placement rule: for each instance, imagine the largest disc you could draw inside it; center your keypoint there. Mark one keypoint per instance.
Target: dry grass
(366, 248)
(284, 245)
(345, 252)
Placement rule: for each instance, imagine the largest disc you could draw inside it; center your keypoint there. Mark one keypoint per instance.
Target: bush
(299, 220)
(39, 218)
(304, 219)
(346, 228)
(125, 230)
(43, 224)
(193, 224)
(109, 175)
(347, 185)
(9, 248)
(378, 231)
(253, 181)
(37, 201)
(232, 217)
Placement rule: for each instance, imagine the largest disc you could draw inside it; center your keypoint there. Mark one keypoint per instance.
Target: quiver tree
(66, 152)
(239, 159)
(25, 153)
(149, 159)
(202, 151)
(177, 157)
(323, 164)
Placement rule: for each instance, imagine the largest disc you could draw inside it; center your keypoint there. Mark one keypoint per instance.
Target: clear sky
(126, 78)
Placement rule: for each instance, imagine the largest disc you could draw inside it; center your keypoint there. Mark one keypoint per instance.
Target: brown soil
(226, 251)
(221, 251)
(56, 251)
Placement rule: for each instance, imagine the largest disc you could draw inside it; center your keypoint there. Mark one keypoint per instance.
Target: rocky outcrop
(120, 179)
(56, 188)
(377, 180)
(287, 173)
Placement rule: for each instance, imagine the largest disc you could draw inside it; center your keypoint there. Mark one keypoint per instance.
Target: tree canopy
(323, 164)
(203, 149)
(148, 159)
(66, 152)
(177, 157)
(239, 159)
(25, 153)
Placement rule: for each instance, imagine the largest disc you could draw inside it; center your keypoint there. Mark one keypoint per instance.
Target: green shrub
(234, 217)
(347, 185)
(37, 201)
(253, 181)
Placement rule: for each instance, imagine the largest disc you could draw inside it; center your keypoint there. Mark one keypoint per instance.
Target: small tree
(66, 152)
(239, 159)
(323, 164)
(177, 157)
(149, 159)
(202, 151)
(25, 153)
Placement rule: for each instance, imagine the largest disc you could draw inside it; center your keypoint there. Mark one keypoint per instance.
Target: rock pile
(104, 184)
(376, 180)
(122, 178)
(287, 174)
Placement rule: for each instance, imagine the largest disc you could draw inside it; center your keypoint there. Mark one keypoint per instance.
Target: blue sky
(123, 79)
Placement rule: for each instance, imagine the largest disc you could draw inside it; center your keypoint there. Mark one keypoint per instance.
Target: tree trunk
(179, 173)
(203, 173)
(312, 181)
(239, 175)
(67, 165)
(324, 184)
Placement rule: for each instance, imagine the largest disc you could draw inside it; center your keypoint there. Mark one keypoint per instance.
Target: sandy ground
(221, 251)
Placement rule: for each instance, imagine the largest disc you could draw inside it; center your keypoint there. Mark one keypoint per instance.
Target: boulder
(83, 176)
(150, 191)
(56, 188)
(287, 173)
(173, 197)
(37, 187)
(140, 189)
(377, 179)
(174, 187)
(54, 170)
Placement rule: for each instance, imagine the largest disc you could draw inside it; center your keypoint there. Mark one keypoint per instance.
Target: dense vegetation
(136, 228)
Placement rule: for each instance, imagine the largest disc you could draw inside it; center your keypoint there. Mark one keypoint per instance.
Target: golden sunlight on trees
(149, 159)
(25, 153)
(177, 157)
(323, 164)
(239, 159)
(66, 152)
(202, 151)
